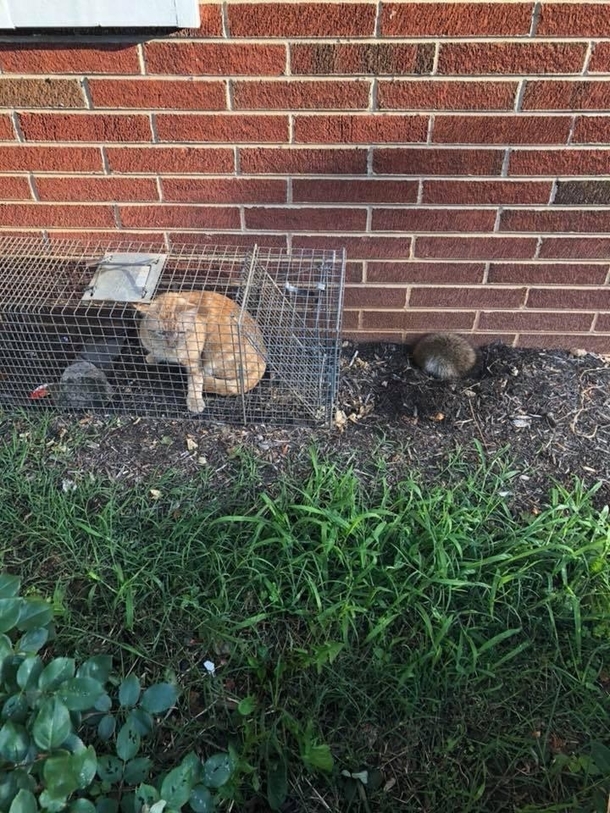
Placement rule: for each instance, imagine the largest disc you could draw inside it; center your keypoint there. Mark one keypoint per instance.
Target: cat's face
(170, 323)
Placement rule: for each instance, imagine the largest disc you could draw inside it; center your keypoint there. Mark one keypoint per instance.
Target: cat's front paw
(195, 404)
(150, 359)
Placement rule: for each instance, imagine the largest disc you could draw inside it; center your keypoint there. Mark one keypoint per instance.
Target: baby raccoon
(444, 355)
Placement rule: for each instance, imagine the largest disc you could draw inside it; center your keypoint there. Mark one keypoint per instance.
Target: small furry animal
(200, 331)
(444, 355)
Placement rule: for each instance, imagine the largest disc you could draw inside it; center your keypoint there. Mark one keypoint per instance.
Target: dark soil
(549, 410)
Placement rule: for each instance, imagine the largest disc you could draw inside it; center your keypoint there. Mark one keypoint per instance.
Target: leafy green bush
(50, 713)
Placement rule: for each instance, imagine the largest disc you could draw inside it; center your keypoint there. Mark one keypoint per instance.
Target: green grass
(426, 632)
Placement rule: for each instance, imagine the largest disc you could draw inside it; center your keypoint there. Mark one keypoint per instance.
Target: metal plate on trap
(126, 278)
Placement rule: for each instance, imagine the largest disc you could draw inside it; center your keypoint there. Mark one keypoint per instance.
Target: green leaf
(15, 708)
(600, 754)
(82, 806)
(145, 795)
(159, 698)
(52, 724)
(105, 805)
(103, 703)
(143, 722)
(137, 770)
(177, 785)
(159, 806)
(85, 765)
(9, 585)
(129, 691)
(317, 757)
(217, 770)
(109, 769)
(105, 727)
(35, 612)
(10, 609)
(61, 776)
(277, 782)
(14, 742)
(246, 706)
(98, 668)
(127, 741)
(80, 693)
(29, 672)
(201, 800)
(24, 802)
(33, 640)
(55, 673)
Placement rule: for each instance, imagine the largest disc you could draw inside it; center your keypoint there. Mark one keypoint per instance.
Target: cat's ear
(141, 306)
(190, 313)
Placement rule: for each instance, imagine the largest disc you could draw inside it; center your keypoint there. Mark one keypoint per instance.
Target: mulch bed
(550, 410)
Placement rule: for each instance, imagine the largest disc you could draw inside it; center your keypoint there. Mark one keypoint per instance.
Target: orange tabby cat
(199, 330)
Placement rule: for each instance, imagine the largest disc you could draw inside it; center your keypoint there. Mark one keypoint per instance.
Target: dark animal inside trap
(70, 331)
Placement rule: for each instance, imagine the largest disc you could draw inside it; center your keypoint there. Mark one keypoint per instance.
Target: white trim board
(98, 13)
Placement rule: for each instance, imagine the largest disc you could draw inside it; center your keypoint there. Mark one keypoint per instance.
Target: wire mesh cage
(230, 334)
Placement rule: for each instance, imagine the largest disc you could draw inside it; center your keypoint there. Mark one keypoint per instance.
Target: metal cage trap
(104, 328)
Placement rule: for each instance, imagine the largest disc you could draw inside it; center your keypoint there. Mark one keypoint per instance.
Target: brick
(428, 220)
(181, 217)
(515, 129)
(50, 159)
(522, 320)
(371, 297)
(314, 219)
(158, 94)
(366, 190)
(246, 239)
(53, 58)
(431, 161)
(435, 273)
(40, 93)
(350, 320)
(210, 25)
(55, 216)
(85, 127)
(15, 188)
(455, 19)
(155, 241)
(577, 248)
(537, 221)
(364, 129)
(94, 189)
(600, 59)
(603, 323)
(482, 296)
(215, 59)
(573, 193)
(486, 192)
(360, 248)
(592, 299)
(566, 95)
(354, 273)
(374, 59)
(547, 273)
(165, 160)
(481, 58)
(7, 131)
(483, 248)
(592, 130)
(303, 161)
(440, 95)
(301, 19)
(589, 342)
(386, 336)
(225, 190)
(294, 95)
(223, 129)
(573, 20)
(419, 320)
(560, 162)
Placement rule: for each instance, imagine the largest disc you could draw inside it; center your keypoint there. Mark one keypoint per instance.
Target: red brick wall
(459, 151)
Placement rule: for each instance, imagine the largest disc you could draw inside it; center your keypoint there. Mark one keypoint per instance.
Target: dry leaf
(191, 443)
(155, 493)
(578, 352)
(340, 420)
(439, 416)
